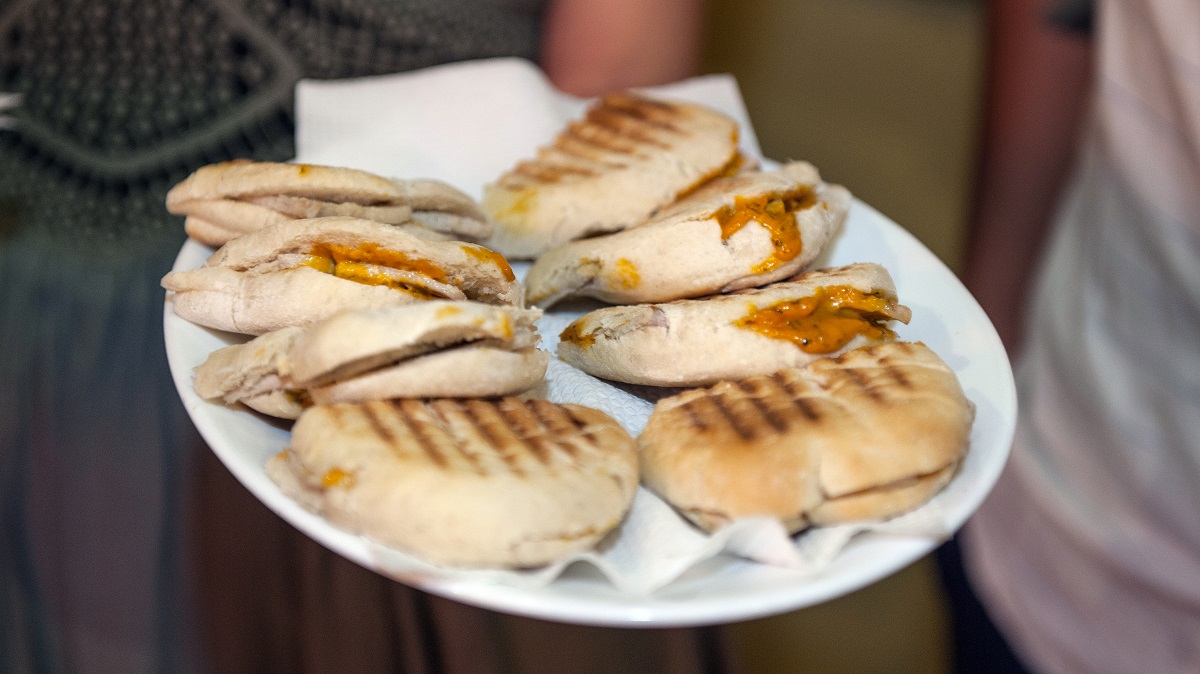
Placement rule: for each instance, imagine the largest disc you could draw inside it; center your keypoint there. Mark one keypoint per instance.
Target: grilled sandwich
(222, 201)
(629, 157)
(750, 332)
(427, 350)
(867, 435)
(469, 483)
(300, 272)
(738, 232)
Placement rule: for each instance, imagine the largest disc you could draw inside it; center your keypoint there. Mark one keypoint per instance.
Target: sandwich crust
(471, 371)
(703, 341)
(867, 435)
(630, 156)
(355, 342)
(738, 232)
(433, 349)
(291, 274)
(254, 374)
(474, 483)
(224, 200)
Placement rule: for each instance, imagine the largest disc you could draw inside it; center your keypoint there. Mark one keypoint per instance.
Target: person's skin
(593, 47)
(1037, 85)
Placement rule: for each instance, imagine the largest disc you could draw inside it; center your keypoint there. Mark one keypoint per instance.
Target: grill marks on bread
(518, 437)
(613, 134)
(623, 161)
(464, 482)
(869, 434)
(753, 408)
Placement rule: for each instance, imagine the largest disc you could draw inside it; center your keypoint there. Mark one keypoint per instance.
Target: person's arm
(593, 47)
(1037, 81)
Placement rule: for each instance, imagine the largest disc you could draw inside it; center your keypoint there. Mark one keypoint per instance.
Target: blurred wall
(882, 95)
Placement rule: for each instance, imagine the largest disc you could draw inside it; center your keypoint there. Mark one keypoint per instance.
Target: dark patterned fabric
(120, 99)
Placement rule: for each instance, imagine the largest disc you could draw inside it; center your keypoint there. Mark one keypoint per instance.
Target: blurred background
(884, 97)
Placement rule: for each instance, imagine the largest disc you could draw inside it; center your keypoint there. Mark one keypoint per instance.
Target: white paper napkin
(465, 124)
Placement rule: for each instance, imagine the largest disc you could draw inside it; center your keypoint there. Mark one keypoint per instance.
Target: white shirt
(1088, 552)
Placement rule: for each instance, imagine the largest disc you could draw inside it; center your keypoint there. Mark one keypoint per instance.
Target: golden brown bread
(425, 350)
(756, 331)
(867, 435)
(472, 483)
(738, 232)
(302, 271)
(630, 156)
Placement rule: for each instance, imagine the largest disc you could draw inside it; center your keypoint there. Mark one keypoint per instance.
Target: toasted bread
(431, 349)
(256, 374)
(505, 483)
(746, 333)
(738, 232)
(867, 435)
(630, 156)
(300, 272)
(231, 198)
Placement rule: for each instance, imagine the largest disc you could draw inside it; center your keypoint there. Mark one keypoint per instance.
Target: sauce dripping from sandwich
(774, 211)
(354, 263)
(485, 255)
(827, 320)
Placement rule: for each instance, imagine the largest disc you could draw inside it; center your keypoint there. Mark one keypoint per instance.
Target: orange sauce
(352, 264)
(321, 263)
(484, 255)
(336, 477)
(775, 212)
(575, 335)
(823, 322)
(727, 169)
(627, 273)
(303, 169)
(516, 206)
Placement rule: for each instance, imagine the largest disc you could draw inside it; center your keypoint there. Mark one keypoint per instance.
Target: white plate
(723, 589)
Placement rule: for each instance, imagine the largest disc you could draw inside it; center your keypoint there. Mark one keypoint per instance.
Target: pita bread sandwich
(737, 232)
(435, 349)
(749, 332)
(256, 374)
(867, 435)
(467, 483)
(222, 201)
(300, 272)
(630, 156)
